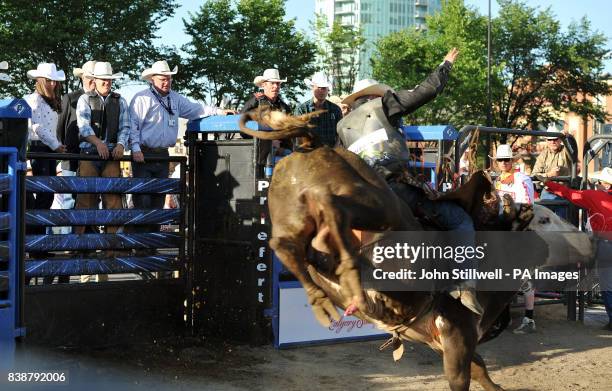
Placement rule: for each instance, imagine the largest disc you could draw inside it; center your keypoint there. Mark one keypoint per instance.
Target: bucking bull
(319, 196)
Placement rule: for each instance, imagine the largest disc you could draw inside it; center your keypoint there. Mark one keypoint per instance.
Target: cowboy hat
(366, 87)
(103, 70)
(48, 71)
(552, 129)
(159, 68)
(4, 76)
(604, 175)
(504, 151)
(88, 67)
(268, 75)
(319, 79)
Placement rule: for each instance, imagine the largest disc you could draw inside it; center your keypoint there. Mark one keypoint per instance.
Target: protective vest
(367, 132)
(105, 116)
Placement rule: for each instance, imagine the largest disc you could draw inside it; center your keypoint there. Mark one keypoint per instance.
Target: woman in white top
(515, 183)
(520, 188)
(45, 103)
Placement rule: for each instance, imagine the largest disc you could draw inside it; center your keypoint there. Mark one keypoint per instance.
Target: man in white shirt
(154, 115)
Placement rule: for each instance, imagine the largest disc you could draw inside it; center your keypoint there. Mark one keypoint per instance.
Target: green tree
(232, 41)
(339, 47)
(405, 58)
(545, 70)
(537, 68)
(70, 32)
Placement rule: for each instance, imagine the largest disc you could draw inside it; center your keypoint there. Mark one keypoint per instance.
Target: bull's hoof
(322, 307)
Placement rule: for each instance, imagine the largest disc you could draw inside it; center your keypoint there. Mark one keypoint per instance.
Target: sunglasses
(505, 160)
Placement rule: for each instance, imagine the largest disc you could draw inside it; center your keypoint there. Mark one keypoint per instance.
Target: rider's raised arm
(400, 103)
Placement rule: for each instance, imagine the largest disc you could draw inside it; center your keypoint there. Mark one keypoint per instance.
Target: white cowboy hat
(4, 76)
(159, 68)
(366, 87)
(103, 70)
(48, 71)
(319, 79)
(604, 175)
(504, 151)
(268, 75)
(88, 67)
(553, 128)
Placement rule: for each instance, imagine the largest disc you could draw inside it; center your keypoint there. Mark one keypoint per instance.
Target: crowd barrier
(11, 278)
(124, 241)
(126, 307)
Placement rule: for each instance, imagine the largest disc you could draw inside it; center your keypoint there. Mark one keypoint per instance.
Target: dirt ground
(560, 355)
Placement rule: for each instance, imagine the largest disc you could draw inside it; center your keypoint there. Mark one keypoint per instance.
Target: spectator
(516, 184)
(154, 115)
(465, 164)
(553, 161)
(68, 134)
(104, 125)
(46, 105)
(270, 82)
(325, 124)
(598, 203)
(67, 129)
(520, 187)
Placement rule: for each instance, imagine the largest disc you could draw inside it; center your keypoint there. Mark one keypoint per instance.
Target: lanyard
(165, 105)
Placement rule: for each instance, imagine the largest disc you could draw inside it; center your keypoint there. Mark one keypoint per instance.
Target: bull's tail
(284, 126)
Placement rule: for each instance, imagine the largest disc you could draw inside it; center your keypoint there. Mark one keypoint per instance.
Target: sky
(597, 11)
(566, 11)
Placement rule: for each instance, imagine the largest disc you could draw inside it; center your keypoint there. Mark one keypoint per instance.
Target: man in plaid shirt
(325, 124)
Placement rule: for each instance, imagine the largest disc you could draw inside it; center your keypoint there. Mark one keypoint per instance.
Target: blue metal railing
(10, 265)
(111, 263)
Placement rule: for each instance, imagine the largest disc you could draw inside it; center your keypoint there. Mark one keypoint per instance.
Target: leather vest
(105, 116)
(367, 132)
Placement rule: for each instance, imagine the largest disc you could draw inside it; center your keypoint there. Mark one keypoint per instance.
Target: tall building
(377, 18)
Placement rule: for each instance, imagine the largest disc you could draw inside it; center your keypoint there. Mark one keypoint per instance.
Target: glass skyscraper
(377, 18)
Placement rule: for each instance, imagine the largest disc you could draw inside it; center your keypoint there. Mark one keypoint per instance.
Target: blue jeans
(158, 170)
(447, 213)
(450, 215)
(560, 211)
